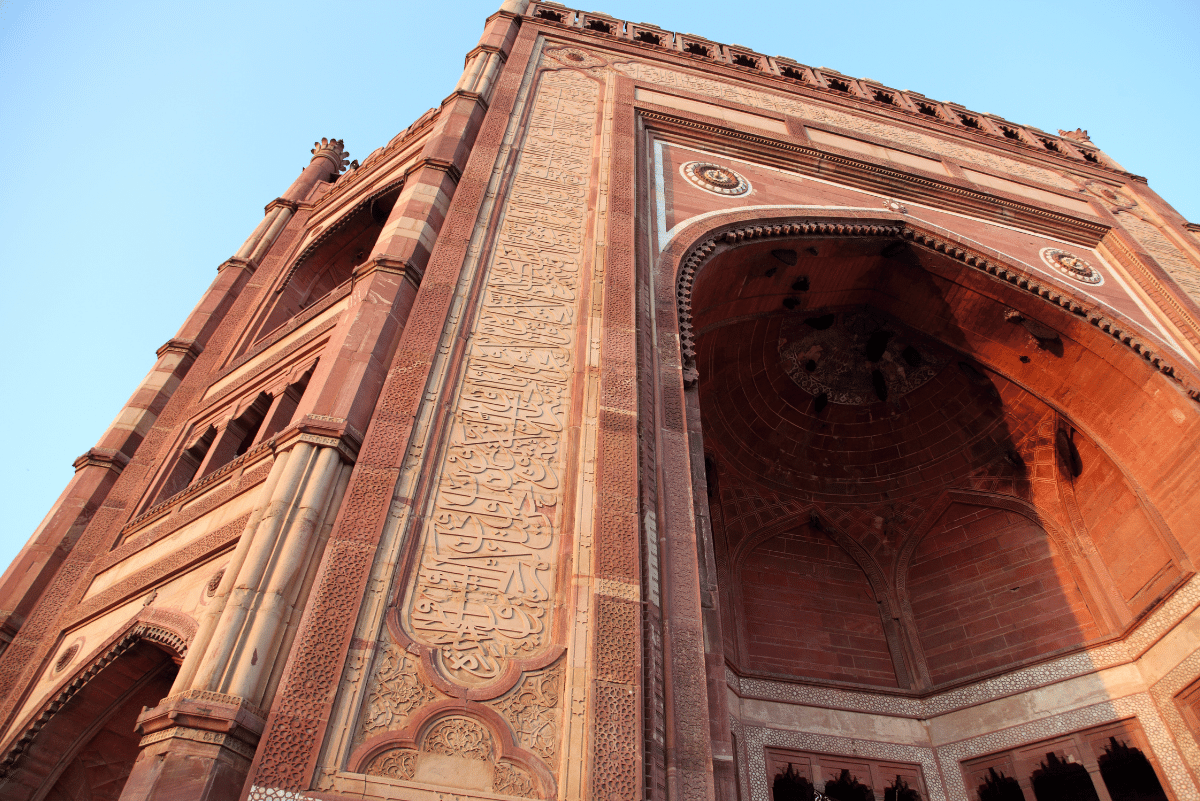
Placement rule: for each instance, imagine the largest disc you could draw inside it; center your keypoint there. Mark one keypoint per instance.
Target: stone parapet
(861, 91)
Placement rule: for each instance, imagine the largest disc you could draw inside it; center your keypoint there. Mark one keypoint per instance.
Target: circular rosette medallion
(715, 178)
(1112, 194)
(576, 57)
(1072, 266)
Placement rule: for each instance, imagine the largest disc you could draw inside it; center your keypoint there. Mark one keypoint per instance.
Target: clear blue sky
(145, 138)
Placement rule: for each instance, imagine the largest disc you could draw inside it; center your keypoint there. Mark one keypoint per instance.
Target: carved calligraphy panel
(483, 590)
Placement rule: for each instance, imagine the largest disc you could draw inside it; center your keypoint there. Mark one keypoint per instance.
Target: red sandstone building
(654, 419)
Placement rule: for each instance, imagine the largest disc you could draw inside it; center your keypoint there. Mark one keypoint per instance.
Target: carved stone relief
(1071, 266)
(511, 780)
(715, 178)
(483, 591)
(533, 709)
(458, 751)
(399, 763)
(1112, 194)
(396, 692)
(460, 737)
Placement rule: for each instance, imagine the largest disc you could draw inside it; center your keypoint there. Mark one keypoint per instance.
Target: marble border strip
(1139, 706)
(756, 739)
(1164, 692)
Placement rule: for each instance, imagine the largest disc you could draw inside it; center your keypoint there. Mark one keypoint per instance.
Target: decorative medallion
(855, 357)
(714, 178)
(1072, 266)
(67, 656)
(576, 57)
(1112, 194)
(896, 206)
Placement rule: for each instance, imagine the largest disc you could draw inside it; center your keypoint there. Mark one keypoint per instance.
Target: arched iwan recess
(82, 743)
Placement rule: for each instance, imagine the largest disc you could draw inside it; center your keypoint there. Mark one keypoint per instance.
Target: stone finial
(334, 150)
(1079, 135)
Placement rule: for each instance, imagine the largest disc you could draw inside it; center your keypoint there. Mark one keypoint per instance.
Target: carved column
(269, 578)
(200, 740)
(329, 156)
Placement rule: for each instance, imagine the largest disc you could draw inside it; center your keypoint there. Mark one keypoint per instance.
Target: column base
(197, 746)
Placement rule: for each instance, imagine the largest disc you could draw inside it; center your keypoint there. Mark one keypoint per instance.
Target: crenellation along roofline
(1073, 147)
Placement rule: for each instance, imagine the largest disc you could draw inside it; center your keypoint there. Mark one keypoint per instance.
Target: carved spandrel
(534, 711)
(483, 590)
(396, 692)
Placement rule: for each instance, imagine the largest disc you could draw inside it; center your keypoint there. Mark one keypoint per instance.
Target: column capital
(387, 264)
(281, 203)
(464, 94)
(198, 744)
(329, 158)
(440, 165)
(108, 458)
(486, 48)
(332, 149)
(205, 710)
(185, 347)
(241, 264)
(323, 431)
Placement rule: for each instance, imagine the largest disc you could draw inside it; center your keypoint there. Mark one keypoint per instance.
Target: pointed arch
(871, 571)
(464, 729)
(722, 232)
(133, 665)
(1026, 556)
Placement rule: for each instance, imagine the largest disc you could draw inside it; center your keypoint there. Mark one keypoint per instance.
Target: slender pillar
(346, 384)
(199, 741)
(266, 584)
(724, 778)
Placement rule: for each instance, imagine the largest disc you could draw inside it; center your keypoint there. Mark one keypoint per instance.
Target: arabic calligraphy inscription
(483, 590)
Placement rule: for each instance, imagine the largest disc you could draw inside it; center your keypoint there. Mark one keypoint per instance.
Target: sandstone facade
(653, 419)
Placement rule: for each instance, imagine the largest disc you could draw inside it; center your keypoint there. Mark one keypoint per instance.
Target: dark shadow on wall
(834, 379)
(86, 751)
